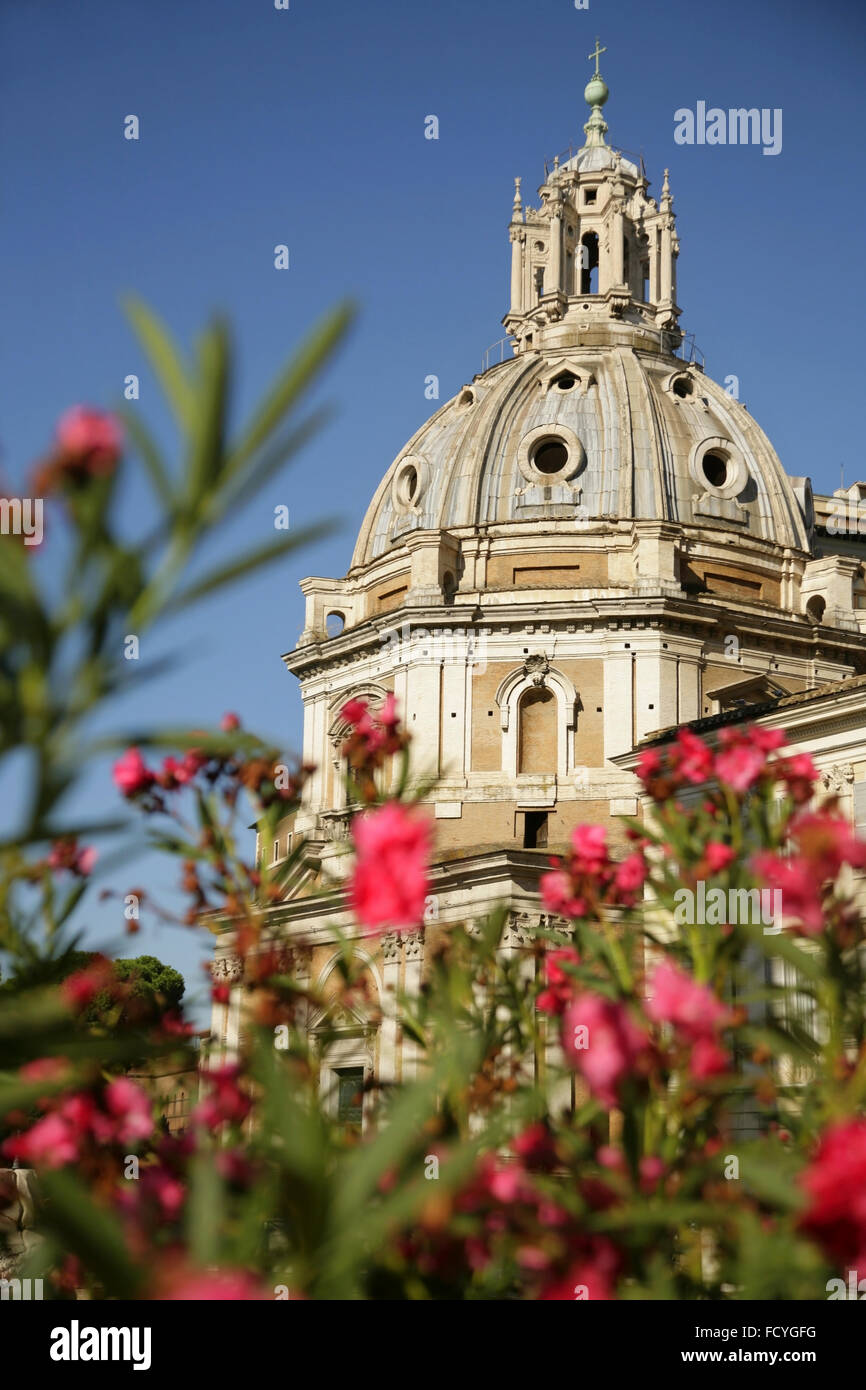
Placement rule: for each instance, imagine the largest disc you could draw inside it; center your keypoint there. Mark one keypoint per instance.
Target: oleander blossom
(390, 882)
(690, 1007)
(835, 1186)
(84, 1121)
(560, 983)
(374, 736)
(94, 435)
(220, 1285)
(88, 446)
(226, 1102)
(131, 775)
(822, 843)
(66, 855)
(603, 1043)
(744, 760)
(588, 878)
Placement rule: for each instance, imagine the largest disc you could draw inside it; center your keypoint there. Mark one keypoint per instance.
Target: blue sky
(306, 127)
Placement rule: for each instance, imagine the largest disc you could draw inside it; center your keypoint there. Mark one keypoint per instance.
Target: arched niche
(536, 675)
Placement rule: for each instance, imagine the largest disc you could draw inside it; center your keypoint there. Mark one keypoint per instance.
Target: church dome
(601, 416)
(605, 433)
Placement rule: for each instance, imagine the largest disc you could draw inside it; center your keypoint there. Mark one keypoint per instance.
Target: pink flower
(602, 1042)
(592, 1275)
(740, 766)
(130, 1107)
(130, 774)
(717, 856)
(835, 1182)
(229, 723)
(799, 887)
(800, 775)
(92, 435)
(827, 842)
(680, 1000)
(693, 758)
(560, 985)
(649, 764)
(226, 1103)
(354, 711)
(83, 985)
(388, 715)
(86, 860)
(651, 1170)
(707, 1059)
(589, 843)
(48, 1069)
(227, 1285)
(558, 895)
(535, 1146)
(507, 1184)
(50, 1143)
(631, 874)
(610, 1157)
(768, 740)
(65, 854)
(168, 1190)
(390, 882)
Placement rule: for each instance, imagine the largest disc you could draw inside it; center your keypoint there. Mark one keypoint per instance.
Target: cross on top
(596, 55)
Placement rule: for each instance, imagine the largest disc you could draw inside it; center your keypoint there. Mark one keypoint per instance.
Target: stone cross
(596, 55)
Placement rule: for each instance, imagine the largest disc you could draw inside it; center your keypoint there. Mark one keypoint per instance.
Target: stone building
(590, 542)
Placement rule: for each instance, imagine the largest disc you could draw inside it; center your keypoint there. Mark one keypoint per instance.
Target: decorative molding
(392, 946)
(228, 967)
(838, 778)
(413, 945)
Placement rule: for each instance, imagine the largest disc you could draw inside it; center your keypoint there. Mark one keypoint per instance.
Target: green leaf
(244, 485)
(90, 1231)
(165, 360)
(207, 461)
(292, 382)
(150, 456)
(244, 565)
(205, 1209)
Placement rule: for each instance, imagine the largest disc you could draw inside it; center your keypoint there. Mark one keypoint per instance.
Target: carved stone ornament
(230, 968)
(838, 779)
(413, 945)
(537, 667)
(391, 945)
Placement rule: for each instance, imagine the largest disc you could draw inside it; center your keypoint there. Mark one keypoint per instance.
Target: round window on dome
(715, 468)
(718, 468)
(408, 484)
(684, 387)
(566, 382)
(550, 456)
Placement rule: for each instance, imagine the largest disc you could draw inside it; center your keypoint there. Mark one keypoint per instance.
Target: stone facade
(592, 541)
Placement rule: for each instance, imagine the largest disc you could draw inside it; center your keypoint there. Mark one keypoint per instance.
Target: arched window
(538, 717)
(536, 737)
(589, 263)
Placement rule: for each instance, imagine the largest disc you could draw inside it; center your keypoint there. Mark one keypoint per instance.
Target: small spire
(517, 210)
(595, 95)
(666, 199)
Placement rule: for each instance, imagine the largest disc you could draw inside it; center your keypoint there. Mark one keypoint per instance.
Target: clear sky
(306, 127)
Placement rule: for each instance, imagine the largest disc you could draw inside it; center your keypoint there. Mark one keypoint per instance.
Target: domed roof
(593, 433)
